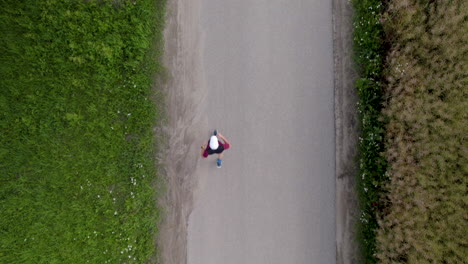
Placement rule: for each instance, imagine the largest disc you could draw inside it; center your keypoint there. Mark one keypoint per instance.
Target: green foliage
(368, 55)
(368, 37)
(76, 120)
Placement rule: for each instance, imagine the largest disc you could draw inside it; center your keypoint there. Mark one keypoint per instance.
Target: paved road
(268, 72)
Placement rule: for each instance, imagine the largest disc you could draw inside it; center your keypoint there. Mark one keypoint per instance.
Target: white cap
(214, 143)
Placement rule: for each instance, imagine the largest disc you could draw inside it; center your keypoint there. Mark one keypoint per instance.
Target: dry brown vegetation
(426, 107)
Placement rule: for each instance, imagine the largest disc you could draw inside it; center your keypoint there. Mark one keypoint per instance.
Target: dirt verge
(346, 125)
(184, 95)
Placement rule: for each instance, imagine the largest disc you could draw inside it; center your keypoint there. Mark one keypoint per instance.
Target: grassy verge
(369, 56)
(427, 109)
(76, 120)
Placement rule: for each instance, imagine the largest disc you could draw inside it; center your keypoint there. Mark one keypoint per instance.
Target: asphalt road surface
(268, 78)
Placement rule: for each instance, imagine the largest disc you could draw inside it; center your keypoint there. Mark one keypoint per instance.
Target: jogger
(215, 146)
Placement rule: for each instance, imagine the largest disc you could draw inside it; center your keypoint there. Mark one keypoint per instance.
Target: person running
(215, 146)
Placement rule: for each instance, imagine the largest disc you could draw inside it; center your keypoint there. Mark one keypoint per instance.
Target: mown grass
(76, 118)
(425, 220)
(369, 54)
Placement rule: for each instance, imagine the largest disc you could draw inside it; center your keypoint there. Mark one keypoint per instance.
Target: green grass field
(77, 110)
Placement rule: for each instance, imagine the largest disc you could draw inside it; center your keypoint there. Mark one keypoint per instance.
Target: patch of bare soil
(346, 125)
(184, 95)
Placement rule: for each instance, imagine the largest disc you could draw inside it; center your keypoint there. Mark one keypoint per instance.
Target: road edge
(346, 133)
(185, 96)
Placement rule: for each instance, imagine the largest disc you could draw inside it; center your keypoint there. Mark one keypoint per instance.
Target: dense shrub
(426, 109)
